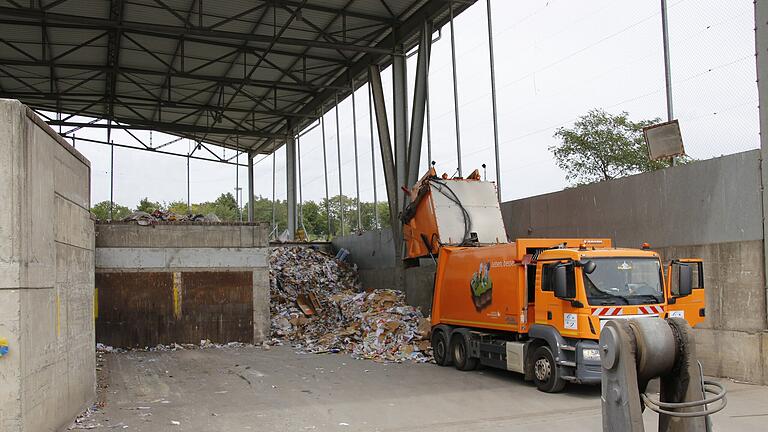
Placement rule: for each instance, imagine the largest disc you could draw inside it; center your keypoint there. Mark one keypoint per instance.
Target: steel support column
(325, 172)
(419, 104)
(373, 158)
(400, 118)
(290, 184)
(761, 44)
(357, 167)
(374, 78)
(338, 154)
(250, 187)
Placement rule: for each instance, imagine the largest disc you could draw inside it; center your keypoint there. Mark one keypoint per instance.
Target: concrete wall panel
(167, 258)
(712, 201)
(132, 235)
(46, 285)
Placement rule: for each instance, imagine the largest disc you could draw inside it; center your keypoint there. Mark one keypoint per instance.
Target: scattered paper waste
(317, 305)
(144, 218)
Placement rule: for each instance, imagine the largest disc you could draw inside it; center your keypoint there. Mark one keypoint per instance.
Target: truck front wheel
(546, 374)
(440, 348)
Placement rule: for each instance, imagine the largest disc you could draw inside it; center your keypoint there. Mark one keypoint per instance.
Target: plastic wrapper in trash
(375, 324)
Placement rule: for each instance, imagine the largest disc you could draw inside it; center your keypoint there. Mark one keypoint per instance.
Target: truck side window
(548, 280)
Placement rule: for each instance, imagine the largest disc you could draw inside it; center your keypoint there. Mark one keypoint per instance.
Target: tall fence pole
(274, 219)
(493, 101)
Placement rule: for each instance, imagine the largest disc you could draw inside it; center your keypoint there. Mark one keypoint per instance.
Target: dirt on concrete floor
(254, 389)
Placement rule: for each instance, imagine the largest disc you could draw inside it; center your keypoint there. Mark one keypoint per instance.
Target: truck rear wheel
(440, 348)
(460, 353)
(546, 374)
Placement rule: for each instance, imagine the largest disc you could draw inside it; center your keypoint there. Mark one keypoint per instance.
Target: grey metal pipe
(373, 158)
(357, 168)
(493, 102)
(429, 131)
(325, 171)
(338, 153)
(111, 180)
(250, 188)
(455, 92)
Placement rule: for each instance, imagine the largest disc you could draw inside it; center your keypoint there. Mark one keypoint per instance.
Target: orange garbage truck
(533, 305)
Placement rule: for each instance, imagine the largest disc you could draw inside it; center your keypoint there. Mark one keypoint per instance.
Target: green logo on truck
(482, 286)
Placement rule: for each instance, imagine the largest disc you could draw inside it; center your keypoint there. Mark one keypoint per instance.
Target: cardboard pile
(317, 305)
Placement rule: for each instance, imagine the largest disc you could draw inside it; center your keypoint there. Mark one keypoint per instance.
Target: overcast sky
(555, 60)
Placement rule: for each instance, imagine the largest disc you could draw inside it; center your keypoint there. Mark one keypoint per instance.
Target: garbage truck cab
(534, 305)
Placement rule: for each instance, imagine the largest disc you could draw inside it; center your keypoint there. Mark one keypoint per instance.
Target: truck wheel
(460, 354)
(546, 374)
(440, 348)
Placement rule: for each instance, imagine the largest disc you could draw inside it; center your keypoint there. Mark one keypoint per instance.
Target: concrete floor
(232, 389)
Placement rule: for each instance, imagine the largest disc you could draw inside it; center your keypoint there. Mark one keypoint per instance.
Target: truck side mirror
(561, 282)
(685, 280)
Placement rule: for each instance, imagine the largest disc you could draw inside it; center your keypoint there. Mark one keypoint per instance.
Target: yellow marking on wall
(177, 295)
(95, 304)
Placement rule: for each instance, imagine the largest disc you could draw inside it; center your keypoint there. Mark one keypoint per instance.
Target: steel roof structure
(239, 74)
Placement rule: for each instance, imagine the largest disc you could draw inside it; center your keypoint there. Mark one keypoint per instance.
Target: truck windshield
(624, 281)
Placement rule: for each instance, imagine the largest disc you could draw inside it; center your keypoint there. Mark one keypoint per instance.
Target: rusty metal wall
(138, 309)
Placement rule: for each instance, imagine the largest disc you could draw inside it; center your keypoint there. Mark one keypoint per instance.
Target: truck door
(551, 310)
(692, 306)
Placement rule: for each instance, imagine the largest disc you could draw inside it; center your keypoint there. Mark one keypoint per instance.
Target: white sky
(555, 60)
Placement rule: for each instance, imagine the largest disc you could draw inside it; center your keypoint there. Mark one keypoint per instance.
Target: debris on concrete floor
(204, 343)
(318, 306)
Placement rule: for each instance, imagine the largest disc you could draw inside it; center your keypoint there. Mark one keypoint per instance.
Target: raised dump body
(534, 306)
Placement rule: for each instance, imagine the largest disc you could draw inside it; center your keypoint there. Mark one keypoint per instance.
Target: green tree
(148, 206)
(179, 207)
(602, 146)
(101, 211)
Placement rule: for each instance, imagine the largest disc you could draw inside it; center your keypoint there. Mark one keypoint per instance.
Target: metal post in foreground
(298, 168)
(493, 101)
(455, 91)
(111, 179)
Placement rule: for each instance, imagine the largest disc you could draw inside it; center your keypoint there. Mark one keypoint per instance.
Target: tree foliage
(602, 146)
(101, 211)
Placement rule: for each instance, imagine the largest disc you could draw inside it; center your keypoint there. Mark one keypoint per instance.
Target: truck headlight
(591, 354)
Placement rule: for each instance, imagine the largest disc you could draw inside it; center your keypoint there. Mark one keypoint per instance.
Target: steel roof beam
(167, 127)
(117, 25)
(306, 87)
(176, 36)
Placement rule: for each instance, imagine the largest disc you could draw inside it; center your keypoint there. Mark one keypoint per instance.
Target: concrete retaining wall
(46, 276)
(181, 283)
(374, 254)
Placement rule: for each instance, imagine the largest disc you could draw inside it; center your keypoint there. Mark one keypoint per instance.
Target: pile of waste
(144, 218)
(204, 343)
(318, 306)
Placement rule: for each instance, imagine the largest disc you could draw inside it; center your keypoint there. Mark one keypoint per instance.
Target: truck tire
(460, 353)
(440, 348)
(546, 374)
